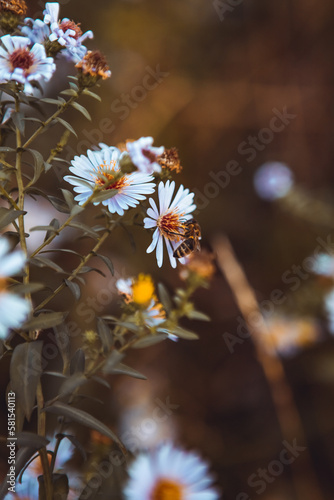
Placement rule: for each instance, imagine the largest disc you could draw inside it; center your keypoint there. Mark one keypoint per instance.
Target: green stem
(76, 270)
(20, 204)
(9, 198)
(59, 111)
(65, 224)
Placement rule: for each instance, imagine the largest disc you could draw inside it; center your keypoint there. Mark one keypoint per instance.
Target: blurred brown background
(225, 71)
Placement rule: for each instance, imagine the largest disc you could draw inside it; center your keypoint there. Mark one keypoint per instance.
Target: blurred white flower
(287, 336)
(273, 180)
(13, 309)
(323, 264)
(329, 308)
(144, 156)
(168, 473)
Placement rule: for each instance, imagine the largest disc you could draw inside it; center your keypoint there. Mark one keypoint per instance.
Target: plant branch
(76, 270)
(287, 412)
(63, 107)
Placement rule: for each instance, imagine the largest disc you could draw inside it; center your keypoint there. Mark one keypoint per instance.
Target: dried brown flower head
(201, 264)
(92, 67)
(11, 12)
(18, 7)
(170, 160)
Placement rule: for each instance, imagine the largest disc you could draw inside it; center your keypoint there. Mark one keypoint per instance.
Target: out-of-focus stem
(287, 412)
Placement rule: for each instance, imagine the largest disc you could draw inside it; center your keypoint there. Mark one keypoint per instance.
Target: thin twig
(287, 412)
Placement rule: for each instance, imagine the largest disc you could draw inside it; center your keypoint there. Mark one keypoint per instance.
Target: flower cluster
(28, 57)
(102, 171)
(140, 293)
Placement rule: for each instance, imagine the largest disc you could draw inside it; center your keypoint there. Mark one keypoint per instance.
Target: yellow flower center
(108, 176)
(143, 289)
(169, 224)
(167, 490)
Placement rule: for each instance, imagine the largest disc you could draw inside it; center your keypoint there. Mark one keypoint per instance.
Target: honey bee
(191, 236)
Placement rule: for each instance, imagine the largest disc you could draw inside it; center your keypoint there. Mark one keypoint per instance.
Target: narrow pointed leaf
(81, 109)
(43, 321)
(74, 288)
(82, 417)
(25, 373)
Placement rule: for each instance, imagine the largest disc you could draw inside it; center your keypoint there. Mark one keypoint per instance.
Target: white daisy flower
(36, 30)
(169, 472)
(168, 219)
(13, 309)
(66, 33)
(144, 156)
(102, 167)
(23, 64)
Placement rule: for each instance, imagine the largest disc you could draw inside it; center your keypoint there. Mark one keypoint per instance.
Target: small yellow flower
(90, 336)
(143, 289)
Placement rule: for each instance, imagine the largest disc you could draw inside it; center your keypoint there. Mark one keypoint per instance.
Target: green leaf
(83, 418)
(45, 262)
(31, 439)
(55, 225)
(165, 297)
(107, 262)
(83, 227)
(74, 288)
(121, 369)
(88, 269)
(25, 373)
(68, 197)
(58, 204)
(38, 165)
(78, 362)
(66, 125)
(104, 195)
(66, 250)
(18, 120)
(6, 149)
(91, 94)
(184, 334)
(72, 383)
(30, 288)
(148, 341)
(7, 216)
(70, 92)
(112, 360)
(81, 109)
(43, 321)
(198, 315)
(105, 335)
(48, 100)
